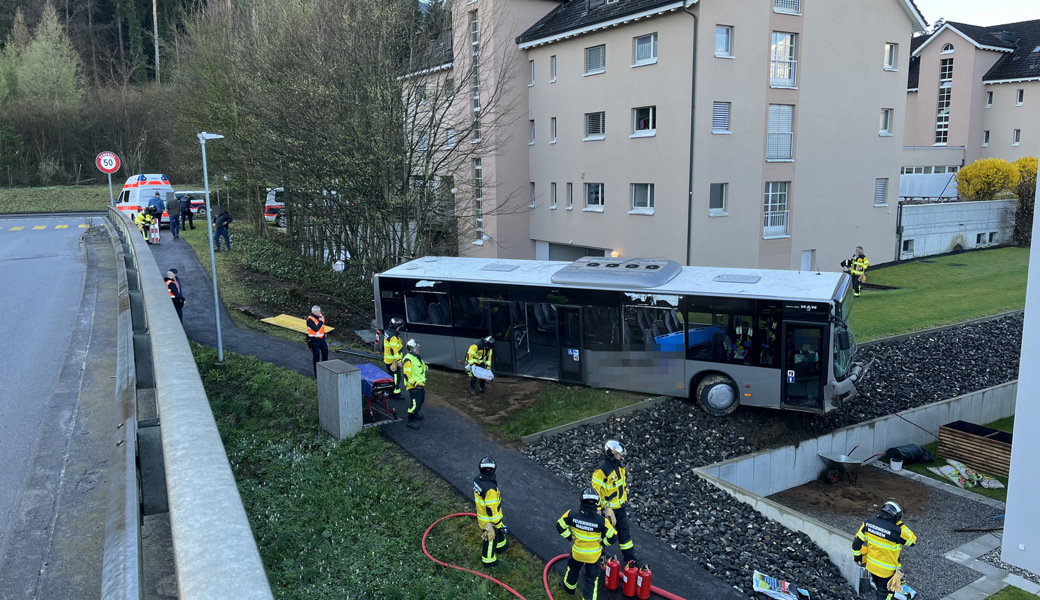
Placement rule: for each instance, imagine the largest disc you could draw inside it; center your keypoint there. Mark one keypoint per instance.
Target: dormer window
(947, 49)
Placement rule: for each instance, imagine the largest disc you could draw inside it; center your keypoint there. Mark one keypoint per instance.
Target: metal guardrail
(213, 546)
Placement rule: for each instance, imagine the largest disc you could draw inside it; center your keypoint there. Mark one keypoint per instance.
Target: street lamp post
(209, 228)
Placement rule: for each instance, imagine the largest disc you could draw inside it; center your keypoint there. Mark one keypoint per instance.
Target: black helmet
(590, 498)
(487, 465)
(892, 510)
(612, 447)
(396, 323)
(489, 342)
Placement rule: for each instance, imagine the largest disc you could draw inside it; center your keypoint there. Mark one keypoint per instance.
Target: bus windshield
(844, 340)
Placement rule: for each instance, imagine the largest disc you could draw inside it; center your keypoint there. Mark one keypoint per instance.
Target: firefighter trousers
(624, 533)
(398, 377)
(489, 550)
(589, 583)
(881, 583)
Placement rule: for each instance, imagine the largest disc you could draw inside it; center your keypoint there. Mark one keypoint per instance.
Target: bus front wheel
(717, 394)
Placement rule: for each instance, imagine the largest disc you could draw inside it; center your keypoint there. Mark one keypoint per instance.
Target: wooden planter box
(979, 447)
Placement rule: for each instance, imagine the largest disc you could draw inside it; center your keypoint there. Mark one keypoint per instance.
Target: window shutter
(781, 118)
(720, 116)
(594, 123)
(880, 191)
(595, 58)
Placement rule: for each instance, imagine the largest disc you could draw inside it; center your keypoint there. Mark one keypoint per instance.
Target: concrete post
(339, 398)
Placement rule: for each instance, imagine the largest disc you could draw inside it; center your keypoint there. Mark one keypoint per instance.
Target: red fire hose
(545, 573)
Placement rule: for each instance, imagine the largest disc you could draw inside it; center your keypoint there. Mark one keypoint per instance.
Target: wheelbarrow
(845, 464)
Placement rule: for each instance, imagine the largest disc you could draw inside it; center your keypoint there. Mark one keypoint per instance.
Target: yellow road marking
(83, 226)
(19, 228)
(61, 226)
(40, 227)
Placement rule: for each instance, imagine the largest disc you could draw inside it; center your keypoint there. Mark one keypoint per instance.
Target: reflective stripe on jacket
(315, 327)
(859, 264)
(879, 543)
(589, 533)
(391, 347)
(489, 501)
(414, 372)
(609, 482)
(478, 356)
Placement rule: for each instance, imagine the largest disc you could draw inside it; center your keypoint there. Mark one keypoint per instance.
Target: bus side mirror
(843, 340)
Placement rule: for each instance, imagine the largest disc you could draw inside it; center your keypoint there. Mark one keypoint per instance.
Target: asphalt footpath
(449, 443)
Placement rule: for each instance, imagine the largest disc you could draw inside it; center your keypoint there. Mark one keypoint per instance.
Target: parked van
(139, 190)
(274, 208)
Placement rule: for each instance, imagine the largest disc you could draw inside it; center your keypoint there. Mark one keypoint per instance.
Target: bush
(985, 178)
(50, 172)
(1026, 192)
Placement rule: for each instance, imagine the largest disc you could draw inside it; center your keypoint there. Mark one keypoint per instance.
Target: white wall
(1022, 520)
(941, 227)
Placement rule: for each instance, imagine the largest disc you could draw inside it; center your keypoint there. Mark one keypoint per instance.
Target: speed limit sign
(107, 162)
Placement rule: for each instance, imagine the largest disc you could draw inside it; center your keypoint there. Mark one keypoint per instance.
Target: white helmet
(613, 447)
(412, 344)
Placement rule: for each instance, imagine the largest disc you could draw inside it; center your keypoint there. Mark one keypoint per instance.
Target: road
(56, 404)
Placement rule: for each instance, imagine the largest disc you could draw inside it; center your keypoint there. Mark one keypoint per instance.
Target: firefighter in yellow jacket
(479, 355)
(143, 220)
(489, 513)
(857, 268)
(608, 480)
(877, 546)
(392, 346)
(414, 371)
(589, 532)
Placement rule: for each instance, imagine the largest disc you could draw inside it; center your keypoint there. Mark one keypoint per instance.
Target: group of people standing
(180, 214)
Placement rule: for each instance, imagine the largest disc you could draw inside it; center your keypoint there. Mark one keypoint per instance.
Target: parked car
(198, 201)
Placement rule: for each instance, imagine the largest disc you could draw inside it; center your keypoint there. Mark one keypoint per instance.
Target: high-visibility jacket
(479, 356)
(315, 326)
(392, 346)
(144, 219)
(414, 371)
(489, 500)
(860, 262)
(588, 532)
(609, 482)
(879, 542)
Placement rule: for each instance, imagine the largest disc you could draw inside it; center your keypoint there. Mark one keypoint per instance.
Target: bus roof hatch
(613, 272)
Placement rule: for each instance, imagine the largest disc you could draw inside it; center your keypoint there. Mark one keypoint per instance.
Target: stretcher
(377, 385)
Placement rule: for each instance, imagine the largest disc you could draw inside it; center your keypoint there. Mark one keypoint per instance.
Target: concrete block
(728, 472)
(840, 442)
(745, 474)
(762, 465)
(782, 462)
(806, 460)
(339, 398)
(975, 408)
(880, 443)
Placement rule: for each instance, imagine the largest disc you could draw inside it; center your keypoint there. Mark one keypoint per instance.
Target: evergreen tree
(49, 73)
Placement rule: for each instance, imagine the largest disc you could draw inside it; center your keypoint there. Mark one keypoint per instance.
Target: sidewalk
(449, 444)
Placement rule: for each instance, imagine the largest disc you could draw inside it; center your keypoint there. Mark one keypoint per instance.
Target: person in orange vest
(316, 337)
(174, 287)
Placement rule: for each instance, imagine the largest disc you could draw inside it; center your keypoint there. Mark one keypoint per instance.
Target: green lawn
(1008, 425)
(57, 199)
(344, 519)
(943, 290)
(1012, 593)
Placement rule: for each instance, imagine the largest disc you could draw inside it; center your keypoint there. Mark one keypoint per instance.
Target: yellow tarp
(294, 323)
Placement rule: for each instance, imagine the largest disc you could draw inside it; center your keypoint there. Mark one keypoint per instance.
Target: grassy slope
(1012, 593)
(344, 519)
(1007, 425)
(57, 199)
(947, 289)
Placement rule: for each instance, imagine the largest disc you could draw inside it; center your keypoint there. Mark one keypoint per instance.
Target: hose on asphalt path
(545, 573)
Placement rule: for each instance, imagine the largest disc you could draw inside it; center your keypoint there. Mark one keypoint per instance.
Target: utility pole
(155, 35)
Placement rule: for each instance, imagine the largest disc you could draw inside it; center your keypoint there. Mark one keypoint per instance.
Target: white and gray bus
(720, 336)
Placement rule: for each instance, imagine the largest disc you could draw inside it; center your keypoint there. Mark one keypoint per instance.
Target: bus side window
(768, 344)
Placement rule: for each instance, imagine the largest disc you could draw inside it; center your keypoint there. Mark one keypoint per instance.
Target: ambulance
(140, 189)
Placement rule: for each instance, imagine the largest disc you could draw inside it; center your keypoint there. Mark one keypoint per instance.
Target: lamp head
(209, 136)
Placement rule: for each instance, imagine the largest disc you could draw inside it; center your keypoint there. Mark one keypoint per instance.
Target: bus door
(804, 368)
(509, 328)
(570, 336)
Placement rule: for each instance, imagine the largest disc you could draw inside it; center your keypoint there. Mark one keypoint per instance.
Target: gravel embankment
(728, 538)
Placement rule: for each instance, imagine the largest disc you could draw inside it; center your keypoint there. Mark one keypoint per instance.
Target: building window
(783, 68)
(474, 29)
(789, 7)
(1017, 138)
(993, 237)
(532, 133)
(452, 138)
(724, 41)
(552, 69)
(947, 49)
(420, 95)
(570, 195)
(891, 56)
(780, 137)
(644, 121)
(552, 195)
(942, 112)
(881, 191)
(645, 50)
(595, 125)
(552, 130)
(717, 200)
(643, 198)
(424, 143)
(885, 127)
(908, 246)
(1020, 97)
(720, 117)
(532, 73)
(533, 196)
(985, 138)
(776, 214)
(596, 59)
(989, 99)
(594, 196)
(449, 88)
(478, 198)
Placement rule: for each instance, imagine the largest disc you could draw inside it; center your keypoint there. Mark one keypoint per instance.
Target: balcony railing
(783, 73)
(791, 7)
(779, 146)
(776, 223)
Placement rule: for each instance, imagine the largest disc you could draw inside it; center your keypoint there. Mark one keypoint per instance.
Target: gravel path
(731, 540)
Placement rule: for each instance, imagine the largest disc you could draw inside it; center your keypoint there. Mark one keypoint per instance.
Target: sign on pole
(108, 162)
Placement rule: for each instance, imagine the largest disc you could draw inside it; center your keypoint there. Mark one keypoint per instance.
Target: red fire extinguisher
(628, 590)
(643, 583)
(613, 573)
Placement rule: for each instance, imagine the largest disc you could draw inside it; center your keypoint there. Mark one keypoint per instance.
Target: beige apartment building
(973, 92)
